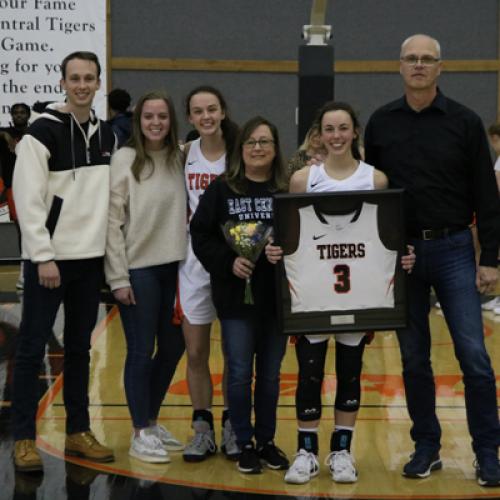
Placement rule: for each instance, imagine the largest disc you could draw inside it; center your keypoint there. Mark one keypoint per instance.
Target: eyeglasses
(424, 60)
(263, 143)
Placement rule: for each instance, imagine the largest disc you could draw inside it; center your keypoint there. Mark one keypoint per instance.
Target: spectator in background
(9, 137)
(494, 138)
(310, 148)
(20, 113)
(120, 117)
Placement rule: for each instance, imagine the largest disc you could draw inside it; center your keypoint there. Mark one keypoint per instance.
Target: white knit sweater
(147, 219)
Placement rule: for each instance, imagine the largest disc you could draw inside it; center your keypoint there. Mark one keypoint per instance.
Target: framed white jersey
(340, 262)
(340, 271)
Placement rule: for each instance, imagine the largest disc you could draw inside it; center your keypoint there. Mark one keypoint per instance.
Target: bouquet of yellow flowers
(247, 239)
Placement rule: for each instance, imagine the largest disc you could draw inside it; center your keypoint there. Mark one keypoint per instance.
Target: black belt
(435, 234)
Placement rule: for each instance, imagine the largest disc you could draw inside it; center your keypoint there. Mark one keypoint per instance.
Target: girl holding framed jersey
(342, 170)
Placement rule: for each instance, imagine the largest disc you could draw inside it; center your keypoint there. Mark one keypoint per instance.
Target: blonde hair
(314, 129)
(137, 140)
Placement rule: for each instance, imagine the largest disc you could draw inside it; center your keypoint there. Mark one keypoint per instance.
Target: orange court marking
(54, 389)
(385, 385)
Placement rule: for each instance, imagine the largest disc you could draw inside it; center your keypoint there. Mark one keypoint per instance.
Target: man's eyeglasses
(263, 143)
(424, 60)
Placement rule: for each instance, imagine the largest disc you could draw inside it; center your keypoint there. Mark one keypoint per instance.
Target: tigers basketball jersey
(340, 263)
(195, 297)
(199, 173)
(319, 181)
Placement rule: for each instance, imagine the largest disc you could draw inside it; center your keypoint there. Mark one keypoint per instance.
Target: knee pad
(308, 398)
(311, 358)
(348, 394)
(348, 367)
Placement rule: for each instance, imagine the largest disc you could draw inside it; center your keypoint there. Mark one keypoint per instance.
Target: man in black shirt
(436, 149)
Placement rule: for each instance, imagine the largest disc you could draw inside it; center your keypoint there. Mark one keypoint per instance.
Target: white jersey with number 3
(340, 263)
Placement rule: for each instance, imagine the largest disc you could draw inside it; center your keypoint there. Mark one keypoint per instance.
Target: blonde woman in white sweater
(146, 240)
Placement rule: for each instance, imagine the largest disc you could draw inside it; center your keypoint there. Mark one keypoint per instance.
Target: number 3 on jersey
(343, 274)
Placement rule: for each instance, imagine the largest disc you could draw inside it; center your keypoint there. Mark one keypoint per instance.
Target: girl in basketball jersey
(146, 239)
(206, 159)
(342, 170)
(241, 199)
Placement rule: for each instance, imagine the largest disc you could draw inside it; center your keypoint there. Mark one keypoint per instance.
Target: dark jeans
(148, 372)
(448, 265)
(246, 340)
(81, 282)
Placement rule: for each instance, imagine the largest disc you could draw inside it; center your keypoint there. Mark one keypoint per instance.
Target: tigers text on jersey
(200, 172)
(340, 263)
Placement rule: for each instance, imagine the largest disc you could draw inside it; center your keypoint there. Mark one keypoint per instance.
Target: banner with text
(35, 36)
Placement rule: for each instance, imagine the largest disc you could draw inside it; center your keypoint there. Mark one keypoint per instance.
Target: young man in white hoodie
(61, 187)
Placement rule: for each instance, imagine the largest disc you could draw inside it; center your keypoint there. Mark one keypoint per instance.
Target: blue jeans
(246, 340)
(81, 282)
(148, 373)
(448, 265)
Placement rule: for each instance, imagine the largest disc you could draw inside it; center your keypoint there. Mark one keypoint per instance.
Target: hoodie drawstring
(72, 126)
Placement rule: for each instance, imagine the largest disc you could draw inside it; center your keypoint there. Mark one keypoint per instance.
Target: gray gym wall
(363, 30)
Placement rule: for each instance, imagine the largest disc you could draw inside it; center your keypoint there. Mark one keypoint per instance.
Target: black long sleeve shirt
(219, 204)
(440, 156)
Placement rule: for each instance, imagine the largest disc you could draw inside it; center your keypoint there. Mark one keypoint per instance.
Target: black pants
(81, 282)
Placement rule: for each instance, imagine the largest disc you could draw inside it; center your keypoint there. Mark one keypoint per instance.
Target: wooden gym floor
(381, 442)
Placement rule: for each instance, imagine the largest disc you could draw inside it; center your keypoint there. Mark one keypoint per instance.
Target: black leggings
(311, 360)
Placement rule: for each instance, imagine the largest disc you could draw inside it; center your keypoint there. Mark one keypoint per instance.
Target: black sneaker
(422, 463)
(249, 462)
(271, 456)
(488, 469)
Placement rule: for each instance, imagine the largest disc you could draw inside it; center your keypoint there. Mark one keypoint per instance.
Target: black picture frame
(391, 230)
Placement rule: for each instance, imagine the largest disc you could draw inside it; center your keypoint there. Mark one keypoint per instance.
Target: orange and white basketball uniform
(195, 295)
(340, 263)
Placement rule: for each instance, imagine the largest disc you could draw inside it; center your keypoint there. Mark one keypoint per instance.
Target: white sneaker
(200, 447)
(497, 310)
(228, 443)
(437, 305)
(148, 448)
(491, 304)
(305, 466)
(169, 442)
(342, 467)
